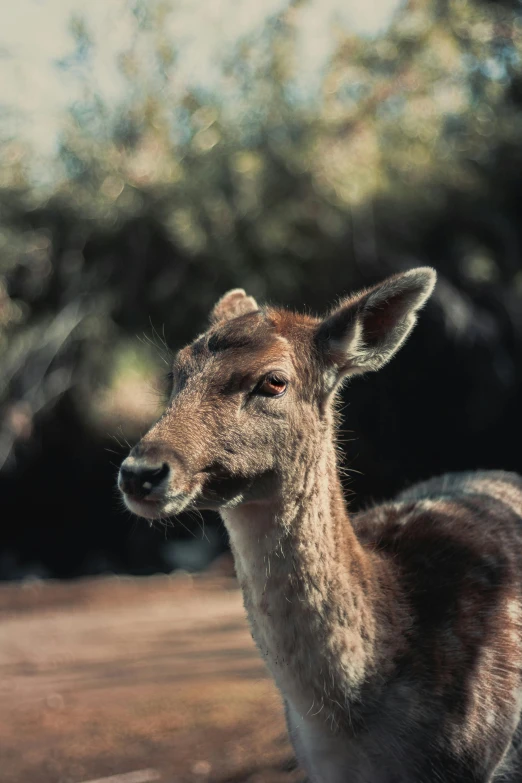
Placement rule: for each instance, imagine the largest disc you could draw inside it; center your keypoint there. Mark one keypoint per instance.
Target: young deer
(394, 635)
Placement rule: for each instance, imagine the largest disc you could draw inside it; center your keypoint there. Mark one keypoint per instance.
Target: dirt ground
(143, 679)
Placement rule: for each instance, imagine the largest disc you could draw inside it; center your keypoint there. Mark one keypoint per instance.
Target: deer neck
(315, 597)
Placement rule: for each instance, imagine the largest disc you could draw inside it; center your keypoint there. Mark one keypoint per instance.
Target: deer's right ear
(367, 329)
(232, 304)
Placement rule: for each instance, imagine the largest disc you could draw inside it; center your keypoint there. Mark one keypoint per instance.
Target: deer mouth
(150, 508)
(221, 490)
(212, 489)
(158, 507)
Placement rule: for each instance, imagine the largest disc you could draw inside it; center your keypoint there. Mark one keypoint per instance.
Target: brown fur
(394, 636)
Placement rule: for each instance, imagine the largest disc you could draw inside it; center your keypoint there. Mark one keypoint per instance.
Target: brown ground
(111, 676)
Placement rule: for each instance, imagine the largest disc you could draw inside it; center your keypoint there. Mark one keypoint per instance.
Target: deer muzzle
(154, 482)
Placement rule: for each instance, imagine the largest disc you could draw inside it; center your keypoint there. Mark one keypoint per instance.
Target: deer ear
(232, 304)
(368, 328)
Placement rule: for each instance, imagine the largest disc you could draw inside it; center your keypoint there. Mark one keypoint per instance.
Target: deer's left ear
(232, 304)
(368, 328)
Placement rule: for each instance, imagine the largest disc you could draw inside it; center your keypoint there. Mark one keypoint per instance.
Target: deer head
(251, 398)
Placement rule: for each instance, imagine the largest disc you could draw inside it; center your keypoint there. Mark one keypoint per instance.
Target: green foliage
(162, 201)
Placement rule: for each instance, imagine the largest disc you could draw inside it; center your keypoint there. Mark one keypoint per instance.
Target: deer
(393, 634)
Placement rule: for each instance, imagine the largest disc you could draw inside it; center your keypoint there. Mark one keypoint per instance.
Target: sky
(35, 35)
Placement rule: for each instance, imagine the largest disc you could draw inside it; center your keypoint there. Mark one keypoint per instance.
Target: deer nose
(140, 480)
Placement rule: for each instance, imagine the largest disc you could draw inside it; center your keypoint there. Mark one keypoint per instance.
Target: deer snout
(138, 479)
(155, 482)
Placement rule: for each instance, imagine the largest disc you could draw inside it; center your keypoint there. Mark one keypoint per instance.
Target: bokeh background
(153, 154)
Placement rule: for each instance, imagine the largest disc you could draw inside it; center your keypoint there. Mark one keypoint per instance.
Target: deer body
(408, 682)
(394, 636)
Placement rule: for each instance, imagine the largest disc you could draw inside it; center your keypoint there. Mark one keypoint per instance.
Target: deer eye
(271, 386)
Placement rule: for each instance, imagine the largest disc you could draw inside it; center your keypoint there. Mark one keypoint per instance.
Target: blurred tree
(407, 152)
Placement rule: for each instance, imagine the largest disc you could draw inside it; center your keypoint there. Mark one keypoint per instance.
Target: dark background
(408, 151)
